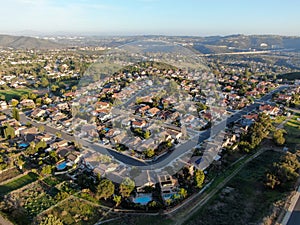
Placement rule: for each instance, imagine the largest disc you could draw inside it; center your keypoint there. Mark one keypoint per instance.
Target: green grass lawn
(18, 183)
(246, 201)
(14, 93)
(293, 131)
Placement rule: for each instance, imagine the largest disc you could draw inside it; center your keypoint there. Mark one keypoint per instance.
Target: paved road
(295, 217)
(181, 150)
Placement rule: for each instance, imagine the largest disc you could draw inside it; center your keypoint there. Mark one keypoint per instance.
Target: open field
(18, 183)
(14, 93)
(245, 200)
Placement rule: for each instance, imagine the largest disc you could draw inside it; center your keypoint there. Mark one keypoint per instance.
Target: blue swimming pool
(143, 199)
(167, 196)
(62, 165)
(23, 145)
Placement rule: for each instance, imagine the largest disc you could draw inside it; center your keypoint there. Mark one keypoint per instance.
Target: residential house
(102, 105)
(168, 184)
(37, 113)
(269, 110)
(139, 123)
(60, 144)
(3, 105)
(27, 103)
(152, 112)
(44, 137)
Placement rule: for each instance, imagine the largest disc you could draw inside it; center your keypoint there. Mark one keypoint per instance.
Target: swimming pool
(167, 196)
(62, 165)
(23, 145)
(142, 199)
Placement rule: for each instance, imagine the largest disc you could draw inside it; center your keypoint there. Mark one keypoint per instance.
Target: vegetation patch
(18, 183)
(9, 174)
(79, 212)
(292, 128)
(14, 93)
(31, 201)
(246, 199)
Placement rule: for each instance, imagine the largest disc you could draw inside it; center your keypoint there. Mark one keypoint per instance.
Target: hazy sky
(171, 17)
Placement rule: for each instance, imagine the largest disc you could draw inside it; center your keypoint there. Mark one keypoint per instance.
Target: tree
(20, 163)
(54, 88)
(41, 128)
(147, 134)
(74, 88)
(278, 136)
(44, 82)
(149, 152)
(51, 220)
(14, 102)
(182, 192)
(9, 132)
(117, 199)
(199, 178)
(126, 187)
(105, 189)
(16, 114)
(38, 101)
(284, 173)
(58, 134)
(271, 181)
(46, 170)
(31, 149)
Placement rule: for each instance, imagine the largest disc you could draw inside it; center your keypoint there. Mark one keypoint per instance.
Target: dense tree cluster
(257, 132)
(126, 187)
(105, 189)
(278, 136)
(284, 173)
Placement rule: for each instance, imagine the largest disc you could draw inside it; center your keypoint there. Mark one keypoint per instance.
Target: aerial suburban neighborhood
(149, 139)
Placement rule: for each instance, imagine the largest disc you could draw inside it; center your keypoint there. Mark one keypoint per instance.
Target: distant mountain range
(205, 45)
(24, 42)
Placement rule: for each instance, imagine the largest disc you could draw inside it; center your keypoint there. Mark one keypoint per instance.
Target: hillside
(290, 76)
(22, 42)
(236, 43)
